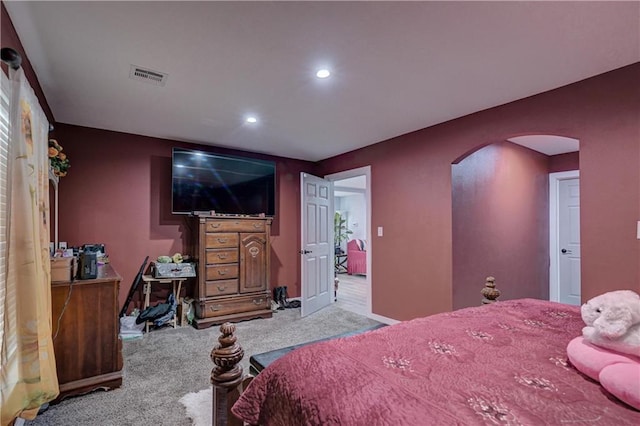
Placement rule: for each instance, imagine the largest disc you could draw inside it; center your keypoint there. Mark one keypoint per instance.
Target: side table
(341, 263)
(176, 282)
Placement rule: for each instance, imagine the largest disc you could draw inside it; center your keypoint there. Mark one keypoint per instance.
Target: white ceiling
(548, 144)
(356, 182)
(350, 186)
(397, 66)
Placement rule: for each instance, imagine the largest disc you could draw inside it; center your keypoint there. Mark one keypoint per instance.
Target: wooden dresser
(87, 347)
(233, 269)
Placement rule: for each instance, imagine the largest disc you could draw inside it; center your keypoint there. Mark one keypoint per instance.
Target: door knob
(305, 251)
(565, 251)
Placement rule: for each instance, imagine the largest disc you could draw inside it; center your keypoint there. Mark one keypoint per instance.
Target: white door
(569, 241)
(317, 243)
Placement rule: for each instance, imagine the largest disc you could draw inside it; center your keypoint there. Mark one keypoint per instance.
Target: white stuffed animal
(613, 321)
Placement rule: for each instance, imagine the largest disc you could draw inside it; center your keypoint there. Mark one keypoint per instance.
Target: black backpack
(153, 312)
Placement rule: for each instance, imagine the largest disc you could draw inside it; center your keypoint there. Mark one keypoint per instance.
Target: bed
(498, 364)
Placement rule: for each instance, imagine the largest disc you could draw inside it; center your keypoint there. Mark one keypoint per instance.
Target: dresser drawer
(221, 272)
(221, 240)
(217, 307)
(220, 287)
(232, 225)
(222, 256)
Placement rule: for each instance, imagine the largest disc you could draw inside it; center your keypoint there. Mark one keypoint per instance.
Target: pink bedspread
(501, 364)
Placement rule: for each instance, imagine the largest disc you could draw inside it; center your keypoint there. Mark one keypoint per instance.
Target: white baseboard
(376, 317)
(385, 320)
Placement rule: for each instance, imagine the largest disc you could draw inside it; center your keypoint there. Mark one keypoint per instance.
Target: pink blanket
(503, 364)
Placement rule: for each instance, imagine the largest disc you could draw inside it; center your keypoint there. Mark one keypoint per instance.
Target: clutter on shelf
(176, 266)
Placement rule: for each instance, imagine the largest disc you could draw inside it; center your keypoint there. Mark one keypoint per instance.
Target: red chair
(356, 257)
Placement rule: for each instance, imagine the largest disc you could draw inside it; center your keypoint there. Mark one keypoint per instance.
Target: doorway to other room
(352, 205)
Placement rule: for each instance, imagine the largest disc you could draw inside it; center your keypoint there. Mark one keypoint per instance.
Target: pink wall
(500, 197)
(564, 162)
(118, 192)
(411, 189)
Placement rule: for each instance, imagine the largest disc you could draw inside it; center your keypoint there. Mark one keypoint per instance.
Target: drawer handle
(214, 308)
(258, 301)
(215, 225)
(222, 240)
(222, 256)
(256, 225)
(222, 272)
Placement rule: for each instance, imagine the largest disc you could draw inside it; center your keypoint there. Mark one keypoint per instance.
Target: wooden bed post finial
(226, 375)
(490, 292)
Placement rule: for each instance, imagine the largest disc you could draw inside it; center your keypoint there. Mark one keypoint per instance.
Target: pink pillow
(623, 381)
(590, 359)
(617, 373)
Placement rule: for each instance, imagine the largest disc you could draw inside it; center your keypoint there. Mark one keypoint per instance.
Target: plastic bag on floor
(128, 323)
(129, 329)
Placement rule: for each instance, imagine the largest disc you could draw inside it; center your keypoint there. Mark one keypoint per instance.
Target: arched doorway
(501, 218)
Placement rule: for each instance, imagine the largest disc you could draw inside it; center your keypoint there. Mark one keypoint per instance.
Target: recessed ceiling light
(323, 73)
(252, 120)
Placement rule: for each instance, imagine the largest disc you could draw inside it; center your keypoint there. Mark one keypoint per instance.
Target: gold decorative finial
(490, 292)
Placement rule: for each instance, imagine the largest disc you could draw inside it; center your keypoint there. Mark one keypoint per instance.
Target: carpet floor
(168, 363)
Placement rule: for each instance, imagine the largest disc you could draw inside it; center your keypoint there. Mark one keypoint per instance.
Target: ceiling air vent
(148, 76)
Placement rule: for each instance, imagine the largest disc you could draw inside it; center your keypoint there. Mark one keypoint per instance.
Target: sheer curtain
(27, 364)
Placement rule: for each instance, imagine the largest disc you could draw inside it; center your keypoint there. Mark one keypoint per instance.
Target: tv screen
(203, 181)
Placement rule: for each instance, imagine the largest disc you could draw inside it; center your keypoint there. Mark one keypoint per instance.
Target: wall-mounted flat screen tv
(203, 181)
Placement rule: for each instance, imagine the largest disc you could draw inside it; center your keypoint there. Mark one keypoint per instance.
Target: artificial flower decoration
(58, 159)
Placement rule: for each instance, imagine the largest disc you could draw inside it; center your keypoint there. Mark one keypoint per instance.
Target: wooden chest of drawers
(233, 270)
(233, 305)
(221, 272)
(85, 329)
